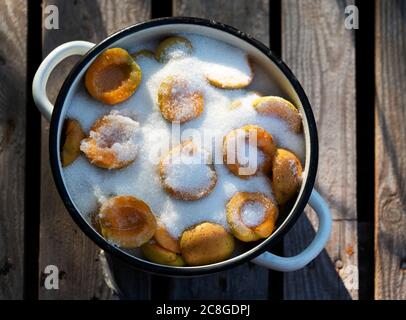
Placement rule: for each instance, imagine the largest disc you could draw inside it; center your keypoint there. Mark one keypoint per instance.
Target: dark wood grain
(247, 281)
(248, 16)
(321, 52)
(62, 243)
(390, 151)
(13, 31)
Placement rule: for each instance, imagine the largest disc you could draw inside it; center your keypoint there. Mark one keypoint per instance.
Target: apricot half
(72, 135)
(187, 173)
(280, 108)
(155, 253)
(113, 76)
(251, 216)
(112, 142)
(286, 175)
(236, 144)
(178, 101)
(173, 48)
(144, 53)
(126, 221)
(206, 243)
(226, 77)
(165, 240)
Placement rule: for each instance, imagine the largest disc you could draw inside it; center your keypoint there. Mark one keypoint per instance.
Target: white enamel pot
(283, 76)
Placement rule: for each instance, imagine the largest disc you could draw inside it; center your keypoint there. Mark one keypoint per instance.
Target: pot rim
(195, 270)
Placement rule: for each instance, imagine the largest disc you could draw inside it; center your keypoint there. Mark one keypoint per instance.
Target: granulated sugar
(252, 213)
(118, 133)
(182, 100)
(189, 177)
(293, 167)
(88, 185)
(230, 66)
(176, 51)
(187, 170)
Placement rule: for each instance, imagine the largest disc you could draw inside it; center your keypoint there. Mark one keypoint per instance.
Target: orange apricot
(206, 243)
(286, 175)
(178, 101)
(126, 221)
(234, 145)
(251, 216)
(280, 108)
(229, 78)
(165, 240)
(112, 142)
(73, 135)
(173, 48)
(113, 76)
(158, 254)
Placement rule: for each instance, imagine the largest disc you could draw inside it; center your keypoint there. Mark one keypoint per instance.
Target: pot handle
(39, 83)
(299, 261)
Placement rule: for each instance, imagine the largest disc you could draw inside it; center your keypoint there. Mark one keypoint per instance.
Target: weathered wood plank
(247, 281)
(331, 274)
(13, 50)
(321, 52)
(390, 151)
(249, 16)
(62, 243)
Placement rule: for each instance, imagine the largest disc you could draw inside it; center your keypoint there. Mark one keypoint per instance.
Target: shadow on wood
(126, 281)
(306, 282)
(243, 282)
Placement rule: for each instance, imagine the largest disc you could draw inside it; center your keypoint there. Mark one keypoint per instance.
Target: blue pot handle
(299, 261)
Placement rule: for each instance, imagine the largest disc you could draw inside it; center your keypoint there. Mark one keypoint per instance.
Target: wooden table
(356, 82)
